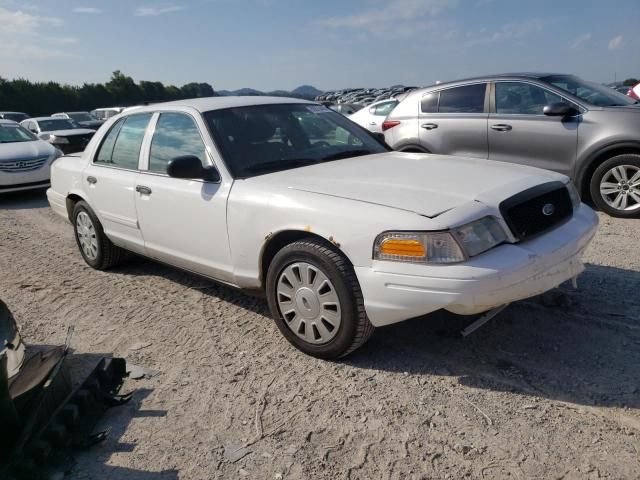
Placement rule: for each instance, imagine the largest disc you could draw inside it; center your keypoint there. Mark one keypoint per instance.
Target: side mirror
(560, 109)
(190, 167)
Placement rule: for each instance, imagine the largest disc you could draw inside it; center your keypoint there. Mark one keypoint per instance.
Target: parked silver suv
(558, 122)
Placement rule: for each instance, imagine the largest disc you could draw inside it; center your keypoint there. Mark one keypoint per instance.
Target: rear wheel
(96, 249)
(615, 186)
(316, 300)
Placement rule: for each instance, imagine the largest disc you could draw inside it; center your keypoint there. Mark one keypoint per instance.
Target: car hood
(95, 124)
(25, 150)
(422, 183)
(69, 133)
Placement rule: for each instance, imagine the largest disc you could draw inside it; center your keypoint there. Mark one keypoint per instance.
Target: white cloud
(580, 41)
(155, 11)
(21, 37)
(616, 43)
(400, 17)
(90, 10)
(509, 31)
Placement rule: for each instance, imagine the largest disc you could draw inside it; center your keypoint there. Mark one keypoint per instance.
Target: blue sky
(281, 44)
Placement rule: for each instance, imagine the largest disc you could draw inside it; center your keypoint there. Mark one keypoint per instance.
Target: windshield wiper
(280, 164)
(346, 154)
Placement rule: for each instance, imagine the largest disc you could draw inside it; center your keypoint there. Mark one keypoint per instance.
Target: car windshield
(590, 92)
(14, 133)
(268, 138)
(81, 117)
(56, 124)
(15, 116)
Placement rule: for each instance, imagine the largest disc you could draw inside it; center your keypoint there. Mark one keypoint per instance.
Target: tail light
(387, 124)
(632, 92)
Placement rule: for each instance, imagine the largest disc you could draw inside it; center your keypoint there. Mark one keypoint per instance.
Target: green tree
(630, 82)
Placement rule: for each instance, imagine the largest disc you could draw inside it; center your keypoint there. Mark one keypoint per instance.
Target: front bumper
(394, 292)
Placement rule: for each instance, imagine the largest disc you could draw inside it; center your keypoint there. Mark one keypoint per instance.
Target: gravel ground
(548, 389)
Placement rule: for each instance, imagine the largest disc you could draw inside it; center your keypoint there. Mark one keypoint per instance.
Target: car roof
(485, 78)
(6, 111)
(7, 121)
(218, 103)
(38, 119)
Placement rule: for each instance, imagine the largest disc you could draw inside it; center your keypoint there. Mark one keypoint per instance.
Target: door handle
(143, 190)
(429, 126)
(373, 124)
(92, 180)
(501, 127)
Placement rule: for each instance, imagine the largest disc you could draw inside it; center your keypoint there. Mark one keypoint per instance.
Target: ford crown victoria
(291, 199)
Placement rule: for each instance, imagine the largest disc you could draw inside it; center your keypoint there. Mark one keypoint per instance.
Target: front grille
(537, 209)
(77, 143)
(18, 166)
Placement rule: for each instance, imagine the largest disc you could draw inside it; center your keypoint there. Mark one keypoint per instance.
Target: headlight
(480, 236)
(451, 246)
(574, 195)
(417, 247)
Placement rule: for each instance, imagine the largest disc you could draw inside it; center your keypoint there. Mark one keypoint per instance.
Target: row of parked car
(68, 131)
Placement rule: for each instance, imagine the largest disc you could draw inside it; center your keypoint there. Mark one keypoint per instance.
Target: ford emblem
(548, 209)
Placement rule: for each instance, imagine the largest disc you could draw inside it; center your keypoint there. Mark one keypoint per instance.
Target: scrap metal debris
(43, 417)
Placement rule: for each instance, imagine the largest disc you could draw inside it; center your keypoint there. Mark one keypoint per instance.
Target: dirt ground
(548, 389)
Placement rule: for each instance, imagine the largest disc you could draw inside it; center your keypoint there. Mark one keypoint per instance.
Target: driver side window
(176, 135)
(523, 98)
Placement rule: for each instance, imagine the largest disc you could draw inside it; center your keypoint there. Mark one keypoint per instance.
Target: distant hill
(304, 91)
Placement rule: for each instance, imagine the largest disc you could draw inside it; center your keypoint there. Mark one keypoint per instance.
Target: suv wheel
(615, 186)
(96, 249)
(316, 300)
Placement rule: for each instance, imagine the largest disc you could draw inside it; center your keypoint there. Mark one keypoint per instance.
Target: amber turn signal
(402, 247)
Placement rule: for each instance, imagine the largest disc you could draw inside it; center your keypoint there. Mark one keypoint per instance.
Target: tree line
(45, 98)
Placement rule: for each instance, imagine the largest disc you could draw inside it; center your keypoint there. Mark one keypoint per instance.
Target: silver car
(558, 122)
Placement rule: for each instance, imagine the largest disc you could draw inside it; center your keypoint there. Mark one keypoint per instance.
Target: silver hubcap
(87, 235)
(308, 303)
(620, 187)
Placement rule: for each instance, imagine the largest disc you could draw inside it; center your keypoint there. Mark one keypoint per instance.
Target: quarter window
(429, 103)
(467, 99)
(523, 98)
(121, 146)
(176, 135)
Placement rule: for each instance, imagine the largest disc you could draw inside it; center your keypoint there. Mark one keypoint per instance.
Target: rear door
(110, 180)
(183, 221)
(519, 132)
(454, 121)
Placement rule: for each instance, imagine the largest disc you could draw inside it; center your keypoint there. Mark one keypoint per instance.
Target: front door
(519, 132)
(454, 121)
(183, 221)
(110, 179)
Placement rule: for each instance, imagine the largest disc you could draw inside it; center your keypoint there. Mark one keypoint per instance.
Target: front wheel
(615, 186)
(316, 301)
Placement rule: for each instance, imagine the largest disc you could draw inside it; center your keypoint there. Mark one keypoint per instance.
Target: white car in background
(292, 199)
(63, 133)
(373, 116)
(24, 159)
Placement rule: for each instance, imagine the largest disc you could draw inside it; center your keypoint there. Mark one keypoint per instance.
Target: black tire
(355, 328)
(108, 255)
(630, 159)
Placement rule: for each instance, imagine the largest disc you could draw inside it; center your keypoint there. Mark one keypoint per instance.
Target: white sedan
(24, 159)
(290, 198)
(373, 116)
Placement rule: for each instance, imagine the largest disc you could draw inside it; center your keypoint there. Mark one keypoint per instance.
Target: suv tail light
(387, 124)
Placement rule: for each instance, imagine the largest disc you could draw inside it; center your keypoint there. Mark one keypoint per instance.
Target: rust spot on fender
(307, 228)
(332, 240)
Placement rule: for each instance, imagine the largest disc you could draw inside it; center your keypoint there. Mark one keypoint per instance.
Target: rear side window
(467, 99)
(384, 109)
(121, 146)
(176, 135)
